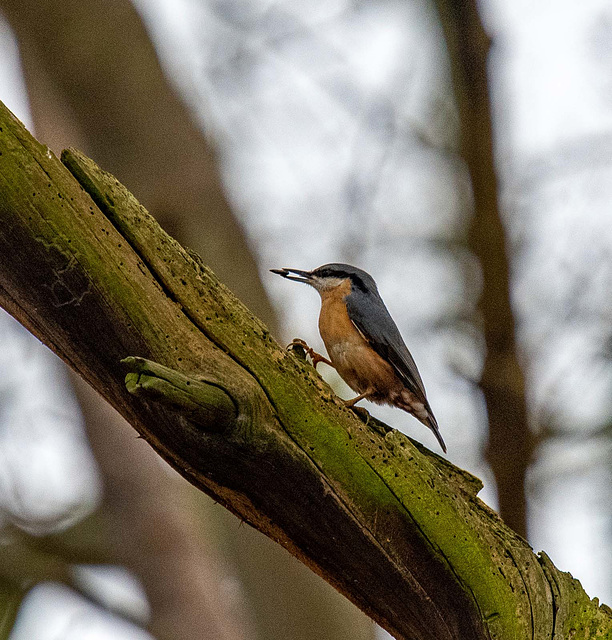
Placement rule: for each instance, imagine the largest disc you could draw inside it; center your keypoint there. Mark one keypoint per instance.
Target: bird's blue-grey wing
(370, 316)
(375, 323)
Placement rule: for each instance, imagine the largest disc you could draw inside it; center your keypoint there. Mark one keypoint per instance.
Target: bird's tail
(432, 423)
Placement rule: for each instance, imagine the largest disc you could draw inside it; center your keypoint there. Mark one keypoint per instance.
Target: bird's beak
(300, 276)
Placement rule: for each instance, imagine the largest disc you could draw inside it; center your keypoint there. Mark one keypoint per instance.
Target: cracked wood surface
(393, 526)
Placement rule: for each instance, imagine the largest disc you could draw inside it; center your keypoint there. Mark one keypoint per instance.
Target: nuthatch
(364, 344)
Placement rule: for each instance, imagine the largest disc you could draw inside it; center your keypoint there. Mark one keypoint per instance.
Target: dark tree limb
(502, 382)
(393, 526)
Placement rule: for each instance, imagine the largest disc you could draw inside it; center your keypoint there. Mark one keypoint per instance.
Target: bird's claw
(298, 343)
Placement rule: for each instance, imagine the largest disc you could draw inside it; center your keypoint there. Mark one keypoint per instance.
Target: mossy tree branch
(394, 527)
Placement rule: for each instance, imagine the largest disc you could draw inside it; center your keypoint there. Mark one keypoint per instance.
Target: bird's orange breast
(334, 322)
(350, 353)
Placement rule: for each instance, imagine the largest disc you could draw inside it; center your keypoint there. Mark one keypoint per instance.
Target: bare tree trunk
(393, 526)
(502, 382)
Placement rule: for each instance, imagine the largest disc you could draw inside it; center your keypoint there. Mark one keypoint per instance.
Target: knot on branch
(203, 402)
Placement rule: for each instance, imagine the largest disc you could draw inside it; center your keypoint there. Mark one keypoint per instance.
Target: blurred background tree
(303, 134)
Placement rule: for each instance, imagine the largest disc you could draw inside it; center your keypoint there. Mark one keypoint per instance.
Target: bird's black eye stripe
(331, 273)
(356, 281)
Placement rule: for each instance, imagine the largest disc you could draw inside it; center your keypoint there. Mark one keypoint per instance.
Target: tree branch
(393, 526)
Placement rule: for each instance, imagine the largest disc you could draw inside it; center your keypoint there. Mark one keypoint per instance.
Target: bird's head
(330, 276)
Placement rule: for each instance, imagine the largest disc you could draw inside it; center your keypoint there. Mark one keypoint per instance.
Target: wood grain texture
(393, 526)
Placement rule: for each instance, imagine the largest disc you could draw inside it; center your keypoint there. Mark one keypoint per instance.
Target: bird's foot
(353, 401)
(298, 343)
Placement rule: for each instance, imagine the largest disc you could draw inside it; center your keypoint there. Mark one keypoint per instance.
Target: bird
(363, 342)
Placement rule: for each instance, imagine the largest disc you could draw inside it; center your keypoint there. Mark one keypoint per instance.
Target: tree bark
(502, 381)
(393, 526)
